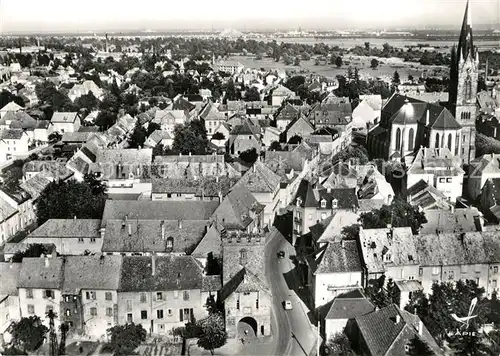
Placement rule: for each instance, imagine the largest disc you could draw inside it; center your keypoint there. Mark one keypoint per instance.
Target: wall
(68, 245)
(328, 286)
(9, 312)
(40, 304)
(333, 326)
(95, 326)
(248, 308)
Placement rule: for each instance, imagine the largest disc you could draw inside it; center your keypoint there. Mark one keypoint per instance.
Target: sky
(109, 15)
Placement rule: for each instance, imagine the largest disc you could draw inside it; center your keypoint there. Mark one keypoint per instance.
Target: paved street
(286, 322)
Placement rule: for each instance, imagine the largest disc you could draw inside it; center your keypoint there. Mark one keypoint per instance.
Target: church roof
(465, 42)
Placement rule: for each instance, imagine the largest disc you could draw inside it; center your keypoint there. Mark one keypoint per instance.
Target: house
(163, 292)
(346, 307)
(264, 184)
(373, 185)
(18, 120)
(389, 251)
(206, 189)
(437, 167)
(70, 236)
(490, 200)
(244, 137)
(9, 295)
(40, 283)
(337, 115)
(240, 211)
(341, 175)
(14, 144)
(480, 170)
(159, 137)
(10, 107)
(65, 122)
(168, 119)
(245, 293)
(334, 269)
(271, 134)
(314, 204)
(231, 67)
(300, 126)
(88, 86)
(285, 116)
(89, 300)
(280, 94)
(367, 113)
(194, 167)
(212, 117)
(153, 236)
(452, 220)
(10, 219)
(427, 197)
(388, 332)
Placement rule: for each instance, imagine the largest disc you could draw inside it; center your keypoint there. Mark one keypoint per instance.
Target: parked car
(288, 305)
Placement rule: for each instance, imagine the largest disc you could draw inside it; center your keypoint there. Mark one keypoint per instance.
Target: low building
(244, 137)
(162, 293)
(193, 167)
(63, 122)
(206, 189)
(14, 144)
(245, 293)
(212, 117)
(300, 126)
(285, 116)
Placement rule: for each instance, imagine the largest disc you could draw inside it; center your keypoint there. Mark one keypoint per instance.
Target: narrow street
(287, 322)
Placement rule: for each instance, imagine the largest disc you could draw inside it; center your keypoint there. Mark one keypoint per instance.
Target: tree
(213, 333)
(374, 63)
(470, 343)
(338, 62)
(55, 137)
(190, 138)
(351, 232)
(105, 119)
(395, 78)
(275, 146)
(339, 345)
(399, 214)
(353, 154)
(296, 62)
(249, 156)
(11, 176)
(367, 46)
(7, 97)
(87, 101)
(418, 347)
(65, 200)
(124, 339)
(252, 94)
(96, 185)
(295, 140)
(486, 145)
(33, 250)
(213, 266)
(138, 137)
(152, 127)
(28, 333)
(218, 136)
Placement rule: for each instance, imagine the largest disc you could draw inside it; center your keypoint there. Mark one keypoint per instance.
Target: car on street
(288, 305)
(281, 254)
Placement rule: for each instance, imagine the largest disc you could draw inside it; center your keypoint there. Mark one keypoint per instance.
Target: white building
(65, 122)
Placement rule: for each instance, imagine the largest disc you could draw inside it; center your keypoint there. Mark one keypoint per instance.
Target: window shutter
(180, 314)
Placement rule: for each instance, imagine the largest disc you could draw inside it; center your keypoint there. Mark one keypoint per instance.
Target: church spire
(465, 43)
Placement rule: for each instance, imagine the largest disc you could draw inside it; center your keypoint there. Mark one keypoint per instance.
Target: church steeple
(465, 41)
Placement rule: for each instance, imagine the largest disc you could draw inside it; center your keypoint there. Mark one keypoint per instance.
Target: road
(286, 322)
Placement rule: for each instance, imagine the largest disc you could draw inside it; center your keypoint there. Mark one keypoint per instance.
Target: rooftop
(350, 305)
(41, 273)
(68, 228)
(340, 257)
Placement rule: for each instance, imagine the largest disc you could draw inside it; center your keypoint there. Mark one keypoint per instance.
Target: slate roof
(171, 273)
(35, 185)
(19, 120)
(340, 257)
(68, 228)
(287, 113)
(210, 187)
(158, 210)
(260, 179)
(10, 275)
(437, 161)
(6, 210)
(11, 134)
(350, 305)
(182, 104)
(152, 235)
(64, 117)
(210, 243)
(211, 112)
(395, 336)
(35, 274)
(79, 137)
(306, 194)
(98, 272)
(459, 220)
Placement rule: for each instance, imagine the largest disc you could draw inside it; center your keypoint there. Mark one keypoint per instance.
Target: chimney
(162, 227)
(420, 327)
(153, 264)
(427, 118)
(253, 167)
(398, 318)
(103, 230)
(129, 230)
(47, 261)
(74, 217)
(329, 190)
(179, 222)
(220, 197)
(452, 209)
(342, 243)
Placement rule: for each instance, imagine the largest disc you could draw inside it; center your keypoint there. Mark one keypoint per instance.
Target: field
(386, 68)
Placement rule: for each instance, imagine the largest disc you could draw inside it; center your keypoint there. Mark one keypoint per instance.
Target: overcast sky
(98, 15)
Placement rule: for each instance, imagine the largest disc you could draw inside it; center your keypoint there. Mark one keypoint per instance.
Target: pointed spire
(465, 42)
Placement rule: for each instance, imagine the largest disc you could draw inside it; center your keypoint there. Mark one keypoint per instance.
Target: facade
(300, 126)
(244, 137)
(14, 143)
(9, 295)
(245, 293)
(464, 76)
(480, 170)
(63, 122)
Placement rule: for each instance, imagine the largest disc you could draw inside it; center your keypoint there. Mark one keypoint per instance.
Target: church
(407, 123)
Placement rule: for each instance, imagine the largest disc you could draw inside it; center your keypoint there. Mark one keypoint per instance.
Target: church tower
(464, 76)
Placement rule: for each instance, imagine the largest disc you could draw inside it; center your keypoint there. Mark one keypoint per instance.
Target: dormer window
(299, 201)
(170, 242)
(335, 204)
(243, 257)
(387, 257)
(323, 203)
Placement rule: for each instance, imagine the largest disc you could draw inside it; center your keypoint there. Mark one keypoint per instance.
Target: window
(170, 242)
(436, 144)
(143, 298)
(411, 138)
(477, 281)
(67, 312)
(448, 180)
(92, 239)
(398, 139)
(449, 142)
(80, 240)
(335, 203)
(186, 295)
(420, 271)
(109, 311)
(159, 296)
(31, 309)
(435, 270)
(310, 217)
(257, 303)
(90, 295)
(451, 275)
(387, 257)
(468, 88)
(495, 269)
(93, 311)
(243, 257)
(49, 294)
(129, 305)
(323, 216)
(129, 318)
(159, 314)
(442, 180)
(238, 304)
(170, 312)
(477, 268)
(176, 294)
(411, 278)
(463, 269)
(29, 293)
(323, 203)
(108, 296)
(144, 314)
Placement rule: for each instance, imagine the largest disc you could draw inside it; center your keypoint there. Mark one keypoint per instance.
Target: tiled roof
(436, 161)
(19, 120)
(287, 113)
(124, 156)
(76, 136)
(350, 305)
(341, 218)
(170, 273)
(211, 243)
(69, 228)
(459, 220)
(35, 185)
(152, 235)
(395, 335)
(11, 134)
(306, 194)
(12, 106)
(236, 209)
(6, 210)
(41, 273)
(210, 187)
(56, 169)
(158, 210)
(260, 179)
(182, 104)
(64, 117)
(340, 257)
(99, 272)
(10, 275)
